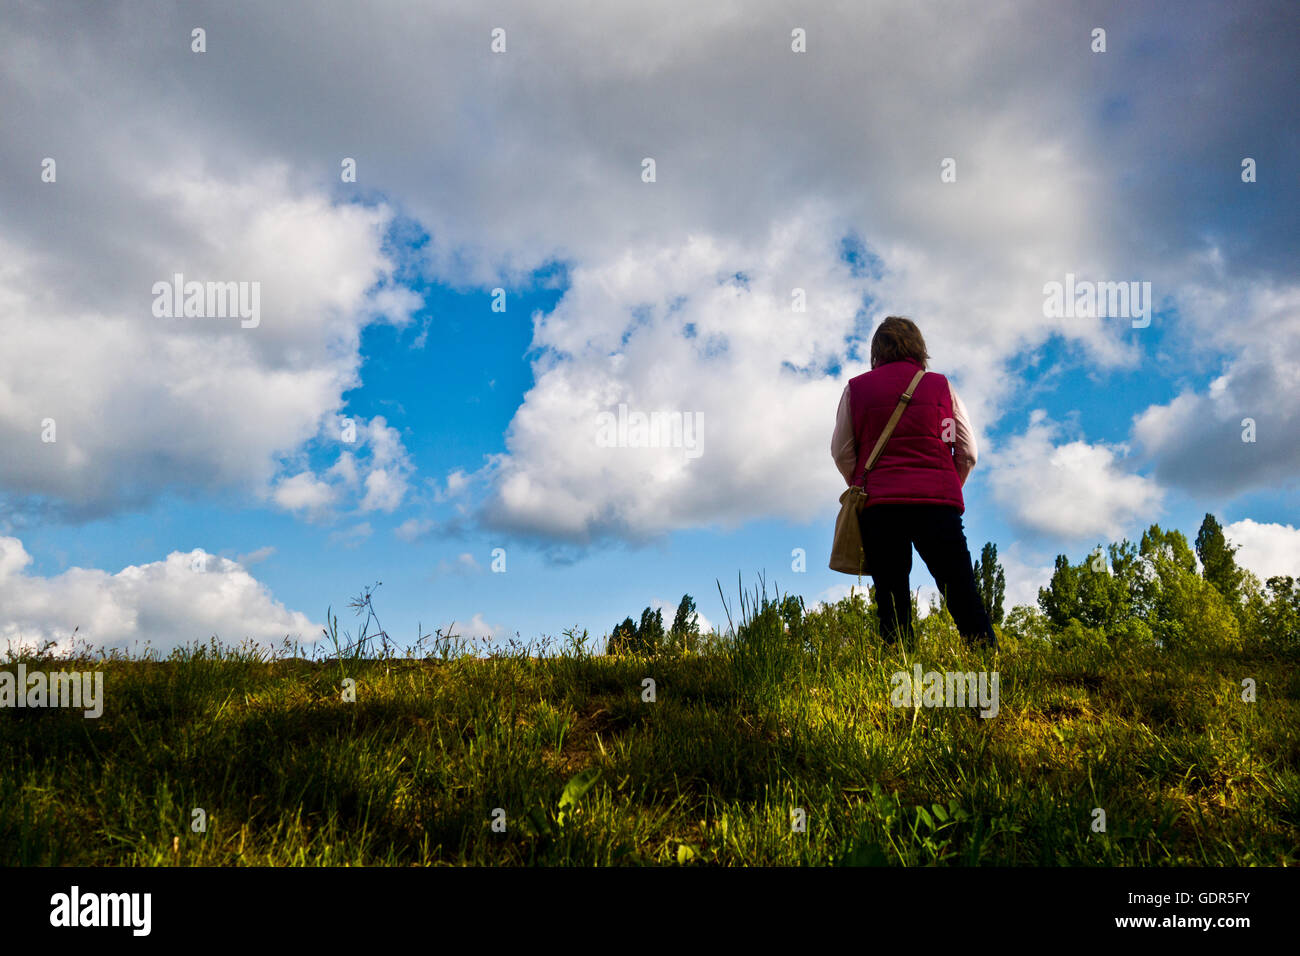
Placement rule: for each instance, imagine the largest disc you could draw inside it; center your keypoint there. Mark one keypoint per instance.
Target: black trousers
(888, 533)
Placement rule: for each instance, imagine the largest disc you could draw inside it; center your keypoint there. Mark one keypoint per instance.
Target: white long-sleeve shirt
(844, 445)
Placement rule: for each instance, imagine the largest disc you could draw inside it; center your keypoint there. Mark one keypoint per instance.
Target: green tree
(622, 637)
(1273, 612)
(650, 632)
(1181, 608)
(991, 581)
(1060, 599)
(686, 624)
(1189, 612)
(1127, 567)
(1087, 592)
(1218, 564)
(1172, 545)
(792, 616)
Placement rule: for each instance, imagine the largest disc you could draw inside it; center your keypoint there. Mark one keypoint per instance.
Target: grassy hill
(580, 768)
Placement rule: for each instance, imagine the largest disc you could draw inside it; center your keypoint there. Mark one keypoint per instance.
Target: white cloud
(352, 536)
(464, 563)
(1073, 490)
(386, 467)
(746, 175)
(184, 598)
(344, 470)
(142, 404)
(837, 592)
(412, 529)
(475, 629)
(1243, 431)
(256, 557)
(620, 336)
(1266, 549)
(927, 598)
(1025, 574)
(456, 483)
(385, 490)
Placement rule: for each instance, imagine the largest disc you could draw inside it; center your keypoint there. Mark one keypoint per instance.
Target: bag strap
(889, 426)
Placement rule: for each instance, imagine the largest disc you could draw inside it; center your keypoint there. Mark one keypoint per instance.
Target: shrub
(1027, 625)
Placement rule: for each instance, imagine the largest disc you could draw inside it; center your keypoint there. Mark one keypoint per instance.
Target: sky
(469, 236)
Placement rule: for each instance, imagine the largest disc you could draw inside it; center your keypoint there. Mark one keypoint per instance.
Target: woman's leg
(888, 548)
(941, 542)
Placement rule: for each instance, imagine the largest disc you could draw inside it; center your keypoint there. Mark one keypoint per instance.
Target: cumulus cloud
(968, 259)
(1072, 489)
(184, 598)
(388, 468)
(256, 556)
(1268, 550)
(1243, 431)
(837, 592)
(377, 474)
(476, 628)
(413, 529)
(457, 481)
(303, 492)
(1025, 574)
(142, 405)
(676, 332)
(384, 490)
(764, 164)
(463, 563)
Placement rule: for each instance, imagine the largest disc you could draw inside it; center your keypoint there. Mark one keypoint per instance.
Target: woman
(914, 490)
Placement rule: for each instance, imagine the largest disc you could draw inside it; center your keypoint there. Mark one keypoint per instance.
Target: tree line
(1161, 591)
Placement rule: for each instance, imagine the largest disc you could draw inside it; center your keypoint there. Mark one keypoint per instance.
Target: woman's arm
(844, 448)
(965, 451)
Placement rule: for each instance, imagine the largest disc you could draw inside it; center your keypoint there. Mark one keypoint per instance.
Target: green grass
(588, 773)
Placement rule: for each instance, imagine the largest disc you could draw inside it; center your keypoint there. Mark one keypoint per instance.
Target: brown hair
(898, 338)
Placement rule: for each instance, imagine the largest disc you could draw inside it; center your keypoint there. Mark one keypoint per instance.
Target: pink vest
(916, 466)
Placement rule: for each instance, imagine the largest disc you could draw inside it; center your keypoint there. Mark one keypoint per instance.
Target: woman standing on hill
(914, 490)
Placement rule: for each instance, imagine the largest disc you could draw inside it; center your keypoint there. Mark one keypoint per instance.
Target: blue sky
(523, 171)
